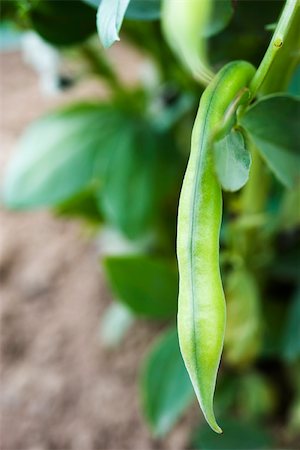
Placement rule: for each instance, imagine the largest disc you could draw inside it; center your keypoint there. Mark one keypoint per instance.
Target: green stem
(278, 40)
(100, 66)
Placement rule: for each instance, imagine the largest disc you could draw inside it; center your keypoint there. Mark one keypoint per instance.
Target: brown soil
(61, 389)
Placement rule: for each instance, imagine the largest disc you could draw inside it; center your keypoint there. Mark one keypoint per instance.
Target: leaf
(238, 435)
(110, 16)
(128, 193)
(147, 285)
(62, 22)
(291, 334)
(289, 212)
(232, 161)
(294, 86)
(144, 9)
(137, 9)
(221, 14)
(132, 184)
(55, 157)
(245, 33)
(115, 323)
(94, 3)
(243, 329)
(166, 387)
(184, 26)
(274, 316)
(83, 205)
(273, 125)
(256, 397)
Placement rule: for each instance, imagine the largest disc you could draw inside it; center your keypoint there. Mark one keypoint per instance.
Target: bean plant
(205, 205)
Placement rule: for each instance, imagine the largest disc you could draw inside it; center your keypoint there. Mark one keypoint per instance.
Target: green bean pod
(201, 307)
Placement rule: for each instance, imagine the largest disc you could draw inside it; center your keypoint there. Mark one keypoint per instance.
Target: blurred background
(61, 387)
(94, 146)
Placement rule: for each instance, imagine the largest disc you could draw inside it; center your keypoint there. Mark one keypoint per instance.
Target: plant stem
(278, 40)
(100, 66)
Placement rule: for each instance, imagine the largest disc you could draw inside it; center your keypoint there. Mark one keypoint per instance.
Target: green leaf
(273, 125)
(62, 22)
(55, 158)
(232, 161)
(132, 184)
(137, 9)
(237, 435)
(221, 14)
(147, 285)
(183, 26)
(274, 316)
(83, 205)
(294, 86)
(291, 334)
(128, 193)
(110, 16)
(115, 323)
(94, 3)
(166, 387)
(144, 9)
(289, 212)
(256, 397)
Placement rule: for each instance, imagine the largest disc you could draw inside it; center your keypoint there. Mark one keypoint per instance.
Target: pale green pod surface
(183, 23)
(201, 308)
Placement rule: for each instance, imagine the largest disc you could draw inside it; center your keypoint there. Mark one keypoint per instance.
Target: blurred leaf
(245, 33)
(222, 11)
(227, 390)
(143, 9)
(166, 116)
(274, 316)
(110, 16)
(255, 396)
(56, 155)
(84, 205)
(232, 161)
(147, 285)
(289, 214)
(111, 242)
(294, 86)
(166, 387)
(184, 28)
(94, 3)
(132, 183)
(243, 329)
(286, 266)
(137, 9)
(105, 146)
(115, 323)
(62, 22)
(10, 36)
(291, 334)
(237, 435)
(273, 124)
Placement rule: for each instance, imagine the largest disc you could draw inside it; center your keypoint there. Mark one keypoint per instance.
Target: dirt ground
(60, 388)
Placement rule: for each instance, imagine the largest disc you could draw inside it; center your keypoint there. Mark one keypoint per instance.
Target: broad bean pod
(201, 307)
